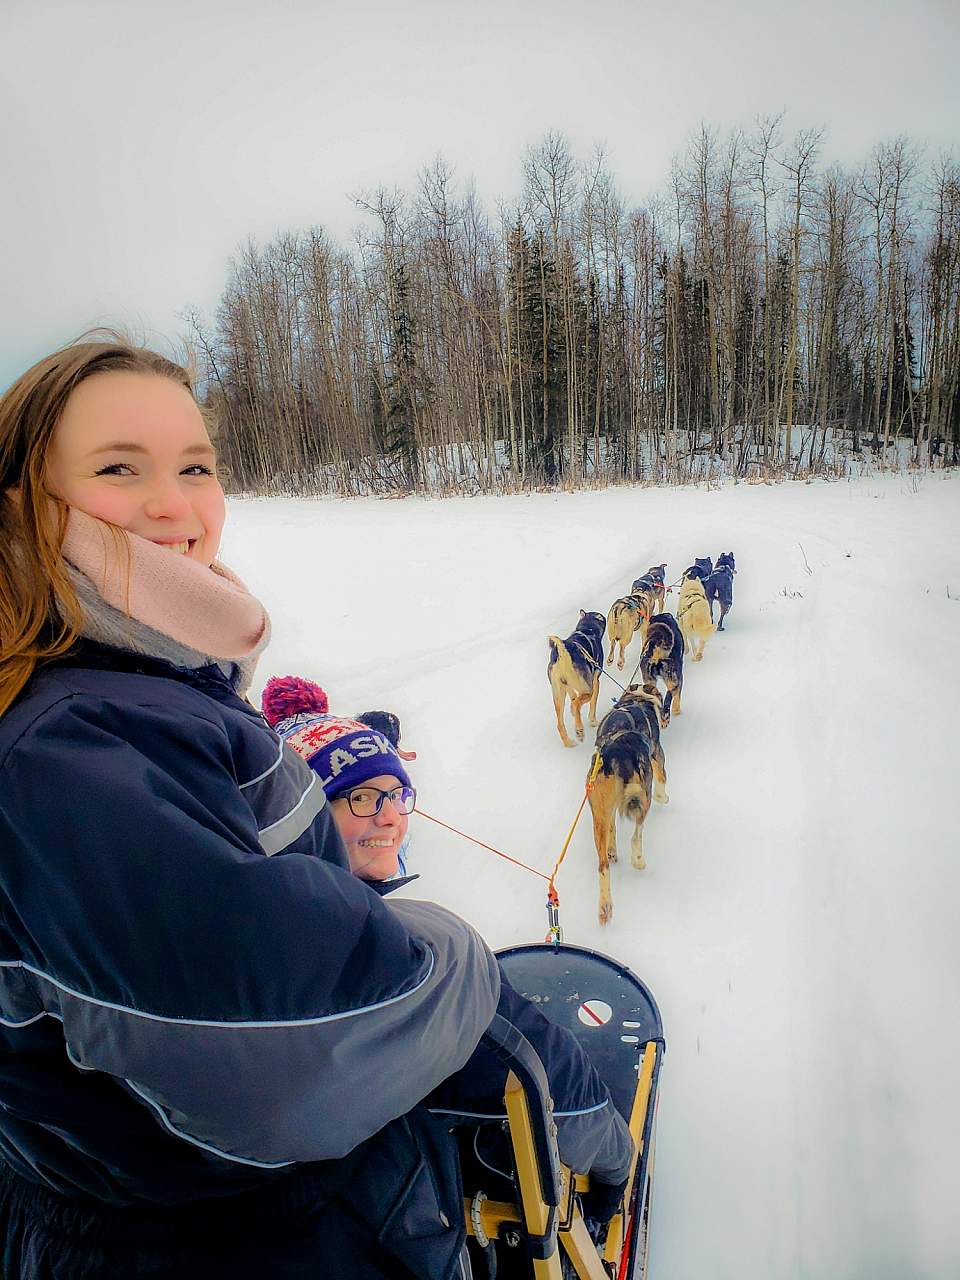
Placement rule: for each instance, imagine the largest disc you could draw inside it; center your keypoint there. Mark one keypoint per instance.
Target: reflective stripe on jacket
(194, 991)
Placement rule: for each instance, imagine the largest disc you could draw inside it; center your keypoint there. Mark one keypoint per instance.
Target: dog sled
(532, 1220)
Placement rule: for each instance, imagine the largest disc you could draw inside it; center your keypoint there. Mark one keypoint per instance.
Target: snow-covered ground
(798, 917)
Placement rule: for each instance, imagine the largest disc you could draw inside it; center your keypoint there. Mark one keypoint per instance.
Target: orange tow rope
(554, 932)
(516, 861)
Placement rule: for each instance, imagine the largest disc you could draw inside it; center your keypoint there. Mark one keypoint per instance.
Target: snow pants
(391, 1210)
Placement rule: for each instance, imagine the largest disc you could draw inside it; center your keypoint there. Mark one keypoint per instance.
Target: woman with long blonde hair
(214, 1039)
(194, 990)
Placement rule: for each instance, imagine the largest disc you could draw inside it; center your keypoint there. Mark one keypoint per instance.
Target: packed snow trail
(796, 920)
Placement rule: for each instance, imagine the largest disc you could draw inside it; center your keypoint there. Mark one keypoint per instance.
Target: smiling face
(373, 844)
(132, 449)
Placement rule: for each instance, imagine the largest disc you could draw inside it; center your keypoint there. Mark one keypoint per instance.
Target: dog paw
(638, 861)
(606, 912)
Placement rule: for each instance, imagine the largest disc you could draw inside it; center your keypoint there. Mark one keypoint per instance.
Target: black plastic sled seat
(527, 1219)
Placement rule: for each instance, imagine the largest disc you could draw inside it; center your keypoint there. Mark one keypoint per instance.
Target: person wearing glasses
(375, 835)
(372, 821)
(370, 795)
(368, 789)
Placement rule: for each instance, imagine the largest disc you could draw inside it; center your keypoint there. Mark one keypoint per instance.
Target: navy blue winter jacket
(194, 991)
(196, 995)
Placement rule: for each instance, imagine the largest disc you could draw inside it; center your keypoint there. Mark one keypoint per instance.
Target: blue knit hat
(343, 753)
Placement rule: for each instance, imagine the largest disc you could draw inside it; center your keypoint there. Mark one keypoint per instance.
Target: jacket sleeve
(592, 1135)
(267, 1009)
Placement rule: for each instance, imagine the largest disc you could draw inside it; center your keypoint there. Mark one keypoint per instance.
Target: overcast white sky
(143, 141)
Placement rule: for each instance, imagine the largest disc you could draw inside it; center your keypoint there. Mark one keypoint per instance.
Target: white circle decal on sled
(594, 1013)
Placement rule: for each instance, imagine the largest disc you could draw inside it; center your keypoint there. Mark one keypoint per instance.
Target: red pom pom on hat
(285, 696)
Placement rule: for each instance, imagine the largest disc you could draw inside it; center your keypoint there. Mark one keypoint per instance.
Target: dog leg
(578, 700)
(605, 913)
(601, 818)
(593, 699)
(658, 765)
(675, 698)
(636, 848)
(623, 654)
(559, 701)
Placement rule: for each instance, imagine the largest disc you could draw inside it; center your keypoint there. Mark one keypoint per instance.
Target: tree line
(764, 315)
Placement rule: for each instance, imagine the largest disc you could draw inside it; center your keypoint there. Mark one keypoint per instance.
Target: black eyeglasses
(366, 802)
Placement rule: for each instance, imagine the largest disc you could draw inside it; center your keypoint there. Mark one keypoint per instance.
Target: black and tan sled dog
(574, 671)
(627, 616)
(719, 586)
(657, 575)
(662, 659)
(647, 589)
(629, 773)
(701, 568)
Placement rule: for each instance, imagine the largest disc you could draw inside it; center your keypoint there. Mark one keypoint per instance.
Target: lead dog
(574, 671)
(693, 614)
(719, 586)
(631, 769)
(627, 616)
(662, 659)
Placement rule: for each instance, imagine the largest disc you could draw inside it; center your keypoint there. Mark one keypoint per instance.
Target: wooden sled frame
(548, 1217)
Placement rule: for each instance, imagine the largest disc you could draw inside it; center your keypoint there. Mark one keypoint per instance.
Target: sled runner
(529, 1220)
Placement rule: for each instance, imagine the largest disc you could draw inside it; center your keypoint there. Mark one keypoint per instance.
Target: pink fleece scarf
(207, 610)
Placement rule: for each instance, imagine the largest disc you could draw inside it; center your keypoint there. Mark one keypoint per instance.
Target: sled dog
(702, 568)
(693, 615)
(662, 659)
(650, 591)
(627, 616)
(631, 769)
(658, 573)
(574, 671)
(646, 586)
(719, 586)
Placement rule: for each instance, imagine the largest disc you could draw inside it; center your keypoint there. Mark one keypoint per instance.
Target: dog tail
(636, 796)
(561, 664)
(629, 775)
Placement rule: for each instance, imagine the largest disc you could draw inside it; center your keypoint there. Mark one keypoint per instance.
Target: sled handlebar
(516, 1052)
